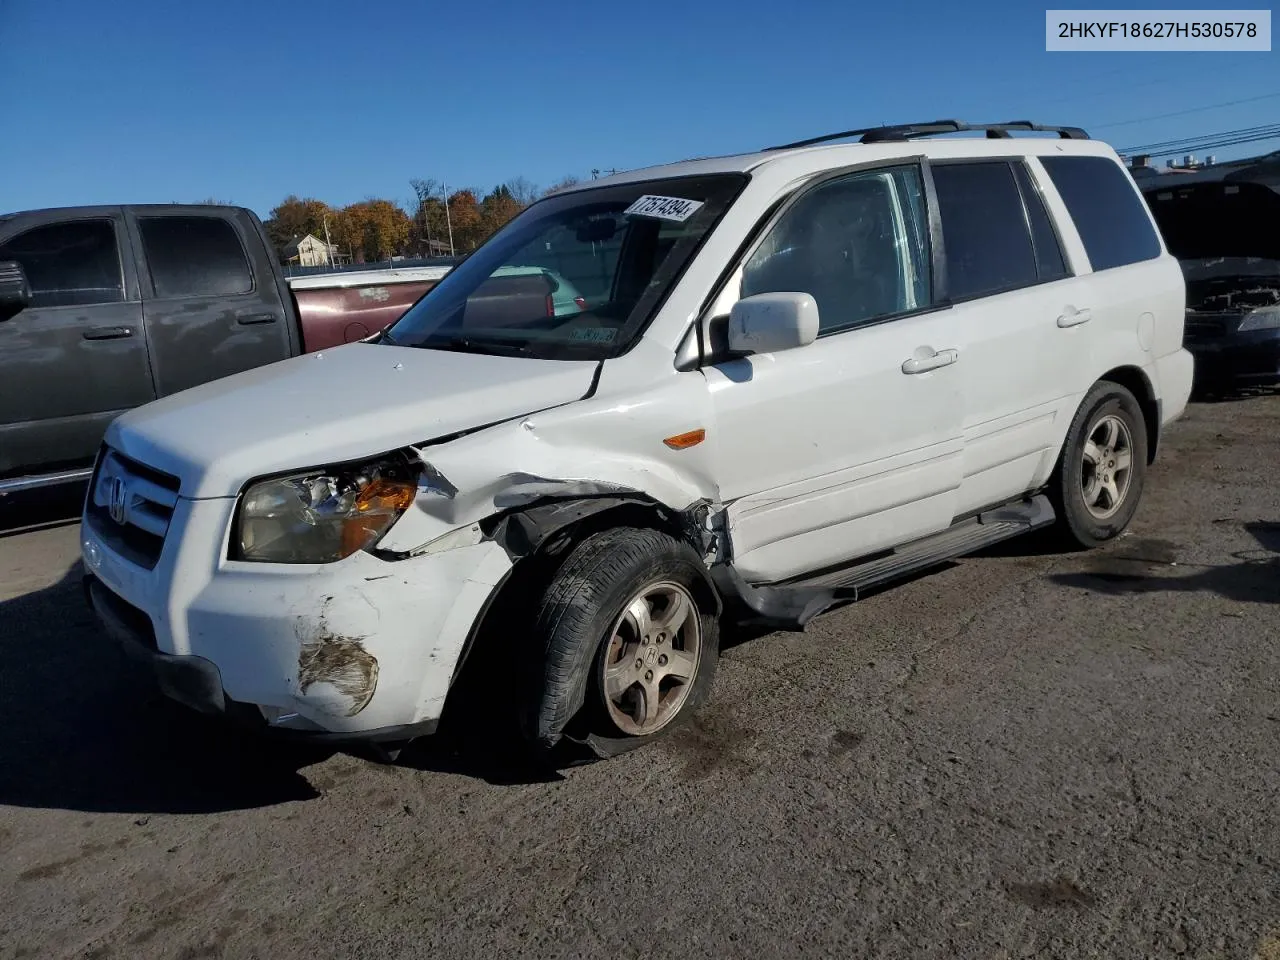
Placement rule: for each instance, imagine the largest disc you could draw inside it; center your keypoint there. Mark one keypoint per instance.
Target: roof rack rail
(908, 131)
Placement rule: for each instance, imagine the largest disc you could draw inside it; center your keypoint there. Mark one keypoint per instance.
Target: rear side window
(1049, 260)
(72, 264)
(984, 229)
(1104, 203)
(194, 257)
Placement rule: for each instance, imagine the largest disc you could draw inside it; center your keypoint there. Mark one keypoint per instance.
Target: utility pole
(328, 247)
(448, 221)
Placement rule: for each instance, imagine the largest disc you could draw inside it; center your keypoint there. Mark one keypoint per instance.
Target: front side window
(1110, 215)
(858, 245)
(194, 257)
(575, 276)
(984, 229)
(72, 264)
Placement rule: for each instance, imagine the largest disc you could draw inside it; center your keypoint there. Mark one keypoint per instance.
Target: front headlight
(323, 515)
(1266, 318)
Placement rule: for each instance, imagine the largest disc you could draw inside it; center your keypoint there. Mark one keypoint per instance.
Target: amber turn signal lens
(385, 495)
(682, 441)
(378, 506)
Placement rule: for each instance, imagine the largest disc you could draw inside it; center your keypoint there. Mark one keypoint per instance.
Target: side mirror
(769, 322)
(15, 292)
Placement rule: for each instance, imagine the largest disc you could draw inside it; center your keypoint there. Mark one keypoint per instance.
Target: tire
(587, 620)
(1096, 505)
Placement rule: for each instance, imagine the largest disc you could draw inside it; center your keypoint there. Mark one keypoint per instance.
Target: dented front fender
(535, 460)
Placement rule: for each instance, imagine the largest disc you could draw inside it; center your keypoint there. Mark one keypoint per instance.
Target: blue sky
(148, 101)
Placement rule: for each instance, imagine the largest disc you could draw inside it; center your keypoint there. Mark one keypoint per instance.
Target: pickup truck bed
(337, 308)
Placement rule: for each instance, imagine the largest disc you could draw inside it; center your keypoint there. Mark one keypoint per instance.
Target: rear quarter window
(1108, 211)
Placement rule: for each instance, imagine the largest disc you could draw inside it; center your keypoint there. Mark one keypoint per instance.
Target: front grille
(1209, 326)
(130, 506)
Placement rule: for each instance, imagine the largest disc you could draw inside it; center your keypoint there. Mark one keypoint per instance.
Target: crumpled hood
(355, 401)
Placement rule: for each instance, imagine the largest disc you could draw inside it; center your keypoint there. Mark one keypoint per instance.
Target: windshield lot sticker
(663, 208)
(594, 334)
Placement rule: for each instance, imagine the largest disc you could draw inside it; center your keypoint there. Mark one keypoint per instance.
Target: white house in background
(311, 251)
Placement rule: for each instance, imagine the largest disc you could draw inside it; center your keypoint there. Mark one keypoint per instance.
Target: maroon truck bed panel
(332, 316)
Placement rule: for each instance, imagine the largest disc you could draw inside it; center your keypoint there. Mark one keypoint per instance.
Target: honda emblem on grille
(117, 499)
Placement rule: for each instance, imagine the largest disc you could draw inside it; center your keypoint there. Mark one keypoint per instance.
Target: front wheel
(1100, 474)
(627, 648)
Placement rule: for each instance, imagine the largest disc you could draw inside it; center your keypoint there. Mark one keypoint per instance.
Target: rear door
(76, 356)
(211, 304)
(1008, 282)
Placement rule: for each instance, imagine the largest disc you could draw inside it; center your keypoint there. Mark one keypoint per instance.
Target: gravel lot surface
(1022, 754)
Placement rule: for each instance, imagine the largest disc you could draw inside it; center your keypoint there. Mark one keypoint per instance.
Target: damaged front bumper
(361, 649)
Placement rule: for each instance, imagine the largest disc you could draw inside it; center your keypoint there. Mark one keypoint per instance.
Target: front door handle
(1071, 317)
(940, 358)
(108, 333)
(248, 319)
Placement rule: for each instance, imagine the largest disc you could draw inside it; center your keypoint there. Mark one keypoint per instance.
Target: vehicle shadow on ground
(85, 729)
(1254, 579)
(1211, 395)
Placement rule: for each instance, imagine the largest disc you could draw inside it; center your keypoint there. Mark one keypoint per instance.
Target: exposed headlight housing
(1265, 318)
(324, 515)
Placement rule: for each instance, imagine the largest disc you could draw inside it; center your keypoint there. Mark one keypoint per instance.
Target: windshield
(1218, 220)
(576, 276)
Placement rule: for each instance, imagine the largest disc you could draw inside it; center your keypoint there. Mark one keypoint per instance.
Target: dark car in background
(1223, 225)
(105, 308)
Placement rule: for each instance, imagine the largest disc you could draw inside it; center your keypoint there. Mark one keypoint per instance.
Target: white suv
(804, 371)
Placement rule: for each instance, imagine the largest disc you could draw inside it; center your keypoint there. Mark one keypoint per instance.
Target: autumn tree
(468, 223)
(523, 190)
(372, 229)
(562, 184)
(497, 208)
(293, 219)
(429, 219)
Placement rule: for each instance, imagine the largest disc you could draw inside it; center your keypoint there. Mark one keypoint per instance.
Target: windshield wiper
(484, 346)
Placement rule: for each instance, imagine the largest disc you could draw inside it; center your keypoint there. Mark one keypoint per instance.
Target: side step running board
(968, 536)
(19, 484)
(790, 605)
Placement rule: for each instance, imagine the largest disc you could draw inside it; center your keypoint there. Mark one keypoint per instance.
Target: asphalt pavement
(1023, 754)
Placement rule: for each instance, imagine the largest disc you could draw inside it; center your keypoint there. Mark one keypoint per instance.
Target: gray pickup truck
(105, 308)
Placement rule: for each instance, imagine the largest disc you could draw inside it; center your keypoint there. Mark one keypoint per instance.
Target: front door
(854, 443)
(76, 357)
(209, 313)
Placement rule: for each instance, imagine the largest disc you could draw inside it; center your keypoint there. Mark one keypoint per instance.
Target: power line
(1182, 113)
(1191, 146)
(1112, 89)
(1210, 140)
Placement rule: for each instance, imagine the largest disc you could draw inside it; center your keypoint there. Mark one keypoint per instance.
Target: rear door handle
(1071, 317)
(249, 319)
(940, 358)
(108, 333)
